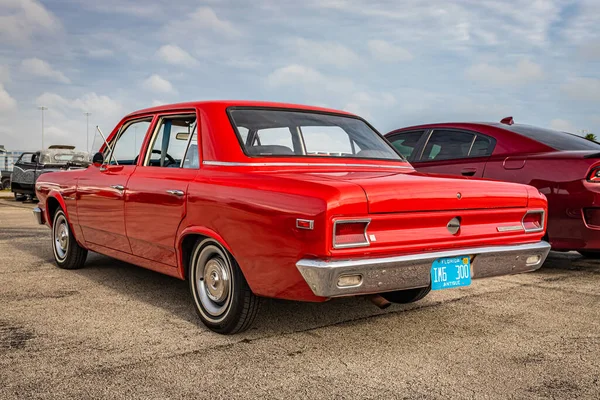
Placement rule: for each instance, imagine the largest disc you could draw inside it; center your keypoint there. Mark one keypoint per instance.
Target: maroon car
(563, 166)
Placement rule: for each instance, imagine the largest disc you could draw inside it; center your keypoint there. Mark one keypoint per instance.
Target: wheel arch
(186, 242)
(53, 202)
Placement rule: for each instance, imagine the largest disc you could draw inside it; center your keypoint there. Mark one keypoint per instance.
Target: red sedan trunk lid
(389, 192)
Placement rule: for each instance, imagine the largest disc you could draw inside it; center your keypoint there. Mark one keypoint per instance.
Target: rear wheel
(406, 296)
(67, 252)
(20, 197)
(590, 254)
(221, 294)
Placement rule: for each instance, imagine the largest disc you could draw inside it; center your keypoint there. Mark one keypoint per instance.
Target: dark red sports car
(563, 166)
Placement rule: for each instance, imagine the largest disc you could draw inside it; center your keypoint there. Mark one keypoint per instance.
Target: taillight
(594, 175)
(533, 221)
(350, 234)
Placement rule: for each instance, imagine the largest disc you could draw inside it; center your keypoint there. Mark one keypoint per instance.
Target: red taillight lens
(594, 175)
(350, 234)
(533, 221)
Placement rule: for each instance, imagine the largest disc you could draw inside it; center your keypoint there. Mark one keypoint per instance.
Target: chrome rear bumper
(388, 274)
(39, 215)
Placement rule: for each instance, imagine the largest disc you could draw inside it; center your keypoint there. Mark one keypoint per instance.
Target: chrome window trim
(298, 164)
(366, 243)
(542, 228)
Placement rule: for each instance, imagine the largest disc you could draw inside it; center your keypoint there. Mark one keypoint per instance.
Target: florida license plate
(450, 272)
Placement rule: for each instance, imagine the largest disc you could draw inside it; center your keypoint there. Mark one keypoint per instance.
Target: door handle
(118, 187)
(178, 193)
(468, 171)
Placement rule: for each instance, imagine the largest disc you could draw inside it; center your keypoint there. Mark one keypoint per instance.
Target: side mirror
(98, 159)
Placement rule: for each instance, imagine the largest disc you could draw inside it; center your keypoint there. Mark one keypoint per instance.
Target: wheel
(68, 254)
(222, 297)
(406, 296)
(590, 254)
(6, 184)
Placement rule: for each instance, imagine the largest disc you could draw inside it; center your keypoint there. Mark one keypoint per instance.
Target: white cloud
(156, 83)
(562, 125)
(173, 54)
(294, 74)
(20, 20)
(156, 103)
(40, 68)
(100, 53)
(525, 72)
(387, 52)
(203, 19)
(7, 103)
(89, 102)
(363, 103)
(323, 52)
(585, 89)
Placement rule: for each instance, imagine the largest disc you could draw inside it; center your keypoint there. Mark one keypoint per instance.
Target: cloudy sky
(395, 62)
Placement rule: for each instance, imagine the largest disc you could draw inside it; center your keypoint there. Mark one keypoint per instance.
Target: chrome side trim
(542, 228)
(512, 228)
(298, 164)
(386, 274)
(366, 243)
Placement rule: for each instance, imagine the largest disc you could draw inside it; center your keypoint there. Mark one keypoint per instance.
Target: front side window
(447, 145)
(26, 158)
(170, 141)
(406, 142)
(265, 132)
(126, 147)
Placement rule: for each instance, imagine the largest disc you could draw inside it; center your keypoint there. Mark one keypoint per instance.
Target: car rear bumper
(39, 215)
(388, 274)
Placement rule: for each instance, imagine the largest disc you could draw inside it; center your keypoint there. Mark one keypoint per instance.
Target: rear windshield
(555, 139)
(280, 133)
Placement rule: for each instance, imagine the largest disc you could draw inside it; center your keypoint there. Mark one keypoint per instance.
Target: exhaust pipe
(379, 301)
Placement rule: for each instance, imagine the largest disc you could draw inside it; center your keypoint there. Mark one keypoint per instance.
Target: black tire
(595, 255)
(68, 254)
(20, 197)
(406, 296)
(222, 297)
(6, 184)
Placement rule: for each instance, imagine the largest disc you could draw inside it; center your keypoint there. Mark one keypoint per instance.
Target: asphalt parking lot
(112, 330)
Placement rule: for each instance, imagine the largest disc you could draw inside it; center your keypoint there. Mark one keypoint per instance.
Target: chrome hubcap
(216, 280)
(61, 237)
(213, 281)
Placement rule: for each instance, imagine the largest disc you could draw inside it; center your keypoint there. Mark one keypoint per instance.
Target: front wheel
(221, 294)
(406, 296)
(20, 197)
(68, 254)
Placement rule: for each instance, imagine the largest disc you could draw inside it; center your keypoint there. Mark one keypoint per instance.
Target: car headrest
(269, 150)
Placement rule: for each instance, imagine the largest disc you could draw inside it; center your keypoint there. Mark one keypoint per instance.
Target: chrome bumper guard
(386, 274)
(39, 215)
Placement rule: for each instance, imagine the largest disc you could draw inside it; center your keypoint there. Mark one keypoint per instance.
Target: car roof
(236, 103)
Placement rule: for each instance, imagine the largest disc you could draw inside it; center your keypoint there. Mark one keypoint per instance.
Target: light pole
(42, 108)
(87, 130)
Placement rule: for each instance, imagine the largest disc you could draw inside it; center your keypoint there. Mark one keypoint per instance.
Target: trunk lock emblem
(454, 225)
(458, 195)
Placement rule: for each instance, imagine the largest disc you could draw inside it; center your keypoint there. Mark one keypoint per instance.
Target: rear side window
(406, 142)
(555, 139)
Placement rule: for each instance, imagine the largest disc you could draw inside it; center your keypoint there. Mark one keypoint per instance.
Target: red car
(563, 166)
(250, 200)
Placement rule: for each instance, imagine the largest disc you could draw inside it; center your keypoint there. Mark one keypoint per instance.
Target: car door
(454, 152)
(156, 198)
(101, 190)
(23, 177)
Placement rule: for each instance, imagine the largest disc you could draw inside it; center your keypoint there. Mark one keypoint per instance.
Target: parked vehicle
(563, 166)
(293, 202)
(5, 180)
(31, 165)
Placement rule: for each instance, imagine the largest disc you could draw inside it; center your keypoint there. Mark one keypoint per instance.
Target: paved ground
(113, 330)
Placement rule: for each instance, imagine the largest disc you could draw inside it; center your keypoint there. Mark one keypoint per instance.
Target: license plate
(447, 273)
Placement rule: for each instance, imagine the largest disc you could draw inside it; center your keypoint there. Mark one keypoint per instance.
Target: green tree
(591, 136)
